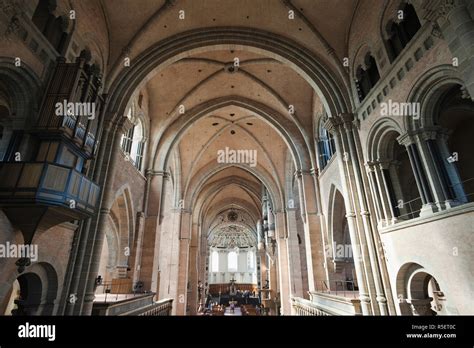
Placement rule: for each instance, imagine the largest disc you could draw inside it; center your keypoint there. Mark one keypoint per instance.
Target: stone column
(425, 140)
(364, 237)
(374, 187)
(272, 266)
(420, 175)
(382, 187)
(183, 262)
(296, 282)
(135, 256)
(92, 236)
(283, 262)
(149, 265)
(312, 228)
(194, 278)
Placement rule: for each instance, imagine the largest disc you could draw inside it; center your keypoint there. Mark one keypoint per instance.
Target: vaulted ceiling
(240, 75)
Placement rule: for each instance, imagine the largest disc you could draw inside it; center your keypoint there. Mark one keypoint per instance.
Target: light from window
(250, 260)
(215, 261)
(232, 261)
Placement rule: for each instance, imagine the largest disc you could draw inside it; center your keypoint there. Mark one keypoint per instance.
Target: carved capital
(406, 139)
(370, 166)
(150, 173)
(332, 124)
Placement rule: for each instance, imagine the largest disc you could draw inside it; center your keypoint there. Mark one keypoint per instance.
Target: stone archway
(316, 73)
(419, 292)
(34, 292)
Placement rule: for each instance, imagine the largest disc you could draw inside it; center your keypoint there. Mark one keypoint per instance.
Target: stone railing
(322, 303)
(132, 305)
(304, 307)
(159, 308)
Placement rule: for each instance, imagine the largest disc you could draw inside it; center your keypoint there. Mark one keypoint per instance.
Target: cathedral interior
(236, 157)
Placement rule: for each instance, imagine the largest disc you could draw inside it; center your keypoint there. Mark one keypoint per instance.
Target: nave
(179, 157)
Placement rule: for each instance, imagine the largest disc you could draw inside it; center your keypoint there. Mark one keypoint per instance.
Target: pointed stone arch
(334, 97)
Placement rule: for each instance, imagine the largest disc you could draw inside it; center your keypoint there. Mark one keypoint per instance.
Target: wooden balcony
(38, 195)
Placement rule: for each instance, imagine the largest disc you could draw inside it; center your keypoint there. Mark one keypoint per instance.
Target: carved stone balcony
(38, 195)
(326, 304)
(131, 305)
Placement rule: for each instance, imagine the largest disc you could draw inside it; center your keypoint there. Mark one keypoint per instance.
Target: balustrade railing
(305, 307)
(344, 288)
(159, 308)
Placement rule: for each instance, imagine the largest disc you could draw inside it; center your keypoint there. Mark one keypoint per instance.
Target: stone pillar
(312, 228)
(397, 192)
(425, 139)
(420, 175)
(194, 278)
(296, 282)
(272, 266)
(283, 263)
(170, 259)
(92, 236)
(384, 194)
(376, 194)
(183, 262)
(149, 265)
(135, 256)
(364, 237)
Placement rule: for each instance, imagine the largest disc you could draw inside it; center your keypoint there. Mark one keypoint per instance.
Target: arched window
(326, 145)
(398, 179)
(250, 260)
(340, 253)
(366, 78)
(232, 261)
(215, 261)
(136, 150)
(453, 150)
(53, 28)
(400, 34)
(127, 139)
(132, 142)
(372, 70)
